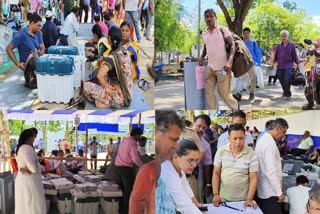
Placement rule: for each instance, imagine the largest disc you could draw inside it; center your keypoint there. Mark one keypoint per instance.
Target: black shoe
(257, 87)
(237, 96)
(251, 96)
(309, 106)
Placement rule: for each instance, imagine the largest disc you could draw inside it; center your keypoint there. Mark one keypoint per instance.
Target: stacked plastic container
(111, 195)
(63, 197)
(85, 198)
(79, 61)
(55, 78)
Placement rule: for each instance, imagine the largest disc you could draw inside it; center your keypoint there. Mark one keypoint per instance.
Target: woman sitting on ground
(314, 157)
(113, 84)
(132, 47)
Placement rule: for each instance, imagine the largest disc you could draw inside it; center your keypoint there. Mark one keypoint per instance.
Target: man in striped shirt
(235, 174)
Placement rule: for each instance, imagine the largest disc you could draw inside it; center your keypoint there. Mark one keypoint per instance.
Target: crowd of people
(202, 163)
(281, 62)
(113, 50)
(123, 160)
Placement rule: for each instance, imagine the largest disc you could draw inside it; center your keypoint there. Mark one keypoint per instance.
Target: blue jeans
(94, 11)
(150, 24)
(284, 76)
(133, 16)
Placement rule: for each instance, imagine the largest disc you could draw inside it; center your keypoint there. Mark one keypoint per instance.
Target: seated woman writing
(102, 48)
(173, 174)
(113, 84)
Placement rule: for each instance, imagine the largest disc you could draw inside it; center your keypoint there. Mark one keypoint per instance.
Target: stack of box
(63, 198)
(85, 198)
(110, 197)
(93, 178)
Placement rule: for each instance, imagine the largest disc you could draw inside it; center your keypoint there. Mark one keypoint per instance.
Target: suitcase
(63, 50)
(55, 78)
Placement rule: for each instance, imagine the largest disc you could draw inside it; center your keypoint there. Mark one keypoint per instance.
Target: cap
(49, 13)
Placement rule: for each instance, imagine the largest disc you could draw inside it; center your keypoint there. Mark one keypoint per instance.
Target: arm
(42, 49)
(135, 155)
(295, 56)
(232, 45)
(30, 158)
(141, 191)
(10, 53)
(203, 55)
(104, 69)
(253, 179)
(309, 149)
(216, 184)
(257, 53)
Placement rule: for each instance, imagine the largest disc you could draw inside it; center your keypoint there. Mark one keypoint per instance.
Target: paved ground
(169, 94)
(14, 95)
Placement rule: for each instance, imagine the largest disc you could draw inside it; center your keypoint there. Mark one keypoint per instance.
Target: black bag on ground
(242, 61)
(29, 72)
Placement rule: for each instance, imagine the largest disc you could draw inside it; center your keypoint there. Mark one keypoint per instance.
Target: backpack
(242, 61)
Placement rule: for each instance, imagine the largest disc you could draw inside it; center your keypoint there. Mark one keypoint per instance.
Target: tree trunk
(1, 12)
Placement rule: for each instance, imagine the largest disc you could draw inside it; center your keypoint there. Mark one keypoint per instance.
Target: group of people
(284, 59)
(202, 163)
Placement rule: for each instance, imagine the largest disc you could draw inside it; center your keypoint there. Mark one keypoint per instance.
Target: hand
(26, 171)
(228, 68)
(22, 65)
(281, 198)
(216, 200)
(207, 191)
(201, 61)
(250, 203)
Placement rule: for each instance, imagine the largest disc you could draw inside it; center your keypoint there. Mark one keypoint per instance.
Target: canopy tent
(86, 116)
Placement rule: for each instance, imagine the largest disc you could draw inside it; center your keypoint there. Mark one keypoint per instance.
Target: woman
(114, 85)
(314, 157)
(173, 174)
(102, 48)
(272, 71)
(29, 193)
(132, 47)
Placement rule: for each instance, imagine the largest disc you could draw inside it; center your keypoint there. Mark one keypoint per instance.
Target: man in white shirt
(131, 8)
(305, 145)
(70, 25)
(238, 117)
(297, 197)
(94, 145)
(270, 172)
(111, 148)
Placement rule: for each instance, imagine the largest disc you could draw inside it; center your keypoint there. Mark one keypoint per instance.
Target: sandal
(144, 84)
(78, 101)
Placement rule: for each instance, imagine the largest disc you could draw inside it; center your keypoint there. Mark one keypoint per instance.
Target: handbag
(298, 79)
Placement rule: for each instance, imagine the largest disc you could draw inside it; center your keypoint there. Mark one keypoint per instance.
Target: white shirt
(142, 150)
(223, 139)
(131, 5)
(111, 148)
(70, 25)
(179, 188)
(270, 172)
(297, 197)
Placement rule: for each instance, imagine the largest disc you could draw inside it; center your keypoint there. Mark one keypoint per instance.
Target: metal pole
(199, 17)
(139, 124)
(86, 148)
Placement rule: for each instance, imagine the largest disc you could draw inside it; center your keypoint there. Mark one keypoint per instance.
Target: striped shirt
(234, 184)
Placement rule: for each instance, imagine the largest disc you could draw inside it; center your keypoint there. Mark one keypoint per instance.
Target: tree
(290, 6)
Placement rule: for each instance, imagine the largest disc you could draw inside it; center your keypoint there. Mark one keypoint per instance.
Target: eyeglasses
(309, 207)
(191, 160)
(225, 205)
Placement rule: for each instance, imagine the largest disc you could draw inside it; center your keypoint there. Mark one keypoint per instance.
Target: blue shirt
(26, 43)
(164, 202)
(254, 50)
(50, 34)
(262, 133)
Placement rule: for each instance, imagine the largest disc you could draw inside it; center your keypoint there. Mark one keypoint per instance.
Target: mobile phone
(203, 208)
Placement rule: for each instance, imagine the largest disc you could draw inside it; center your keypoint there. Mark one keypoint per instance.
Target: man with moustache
(235, 174)
(200, 124)
(147, 186)
(270, 173)
(238, 117)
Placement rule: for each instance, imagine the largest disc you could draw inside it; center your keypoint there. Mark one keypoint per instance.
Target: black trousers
(95, 162)
(270, 205)
(84, 8)
(298, 152)
(127, 177)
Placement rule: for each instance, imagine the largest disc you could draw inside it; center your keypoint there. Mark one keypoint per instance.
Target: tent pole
(130, 125)
(139, 124)
(86, 148)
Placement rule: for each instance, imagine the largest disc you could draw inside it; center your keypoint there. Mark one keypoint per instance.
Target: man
(285, 55)
(238, 117)
(118, 142)
(108, 20)
(61, 166)
(167, 132)
(35, 6)
(200, 124)
(132, 8)
(151, 19)
(305, 145)
(25, 9)
(255, 52)
(262, 51)
(111, 148)
(297, 197)
(70, 26)
(266, 129)
(84, 6)
(95, 8)
(102, 25)
(127, 155)
(27, 40)
(94, 145)
(270, 173)
(235, 174)
(49, 31)
(218, 73)
(68, 155)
